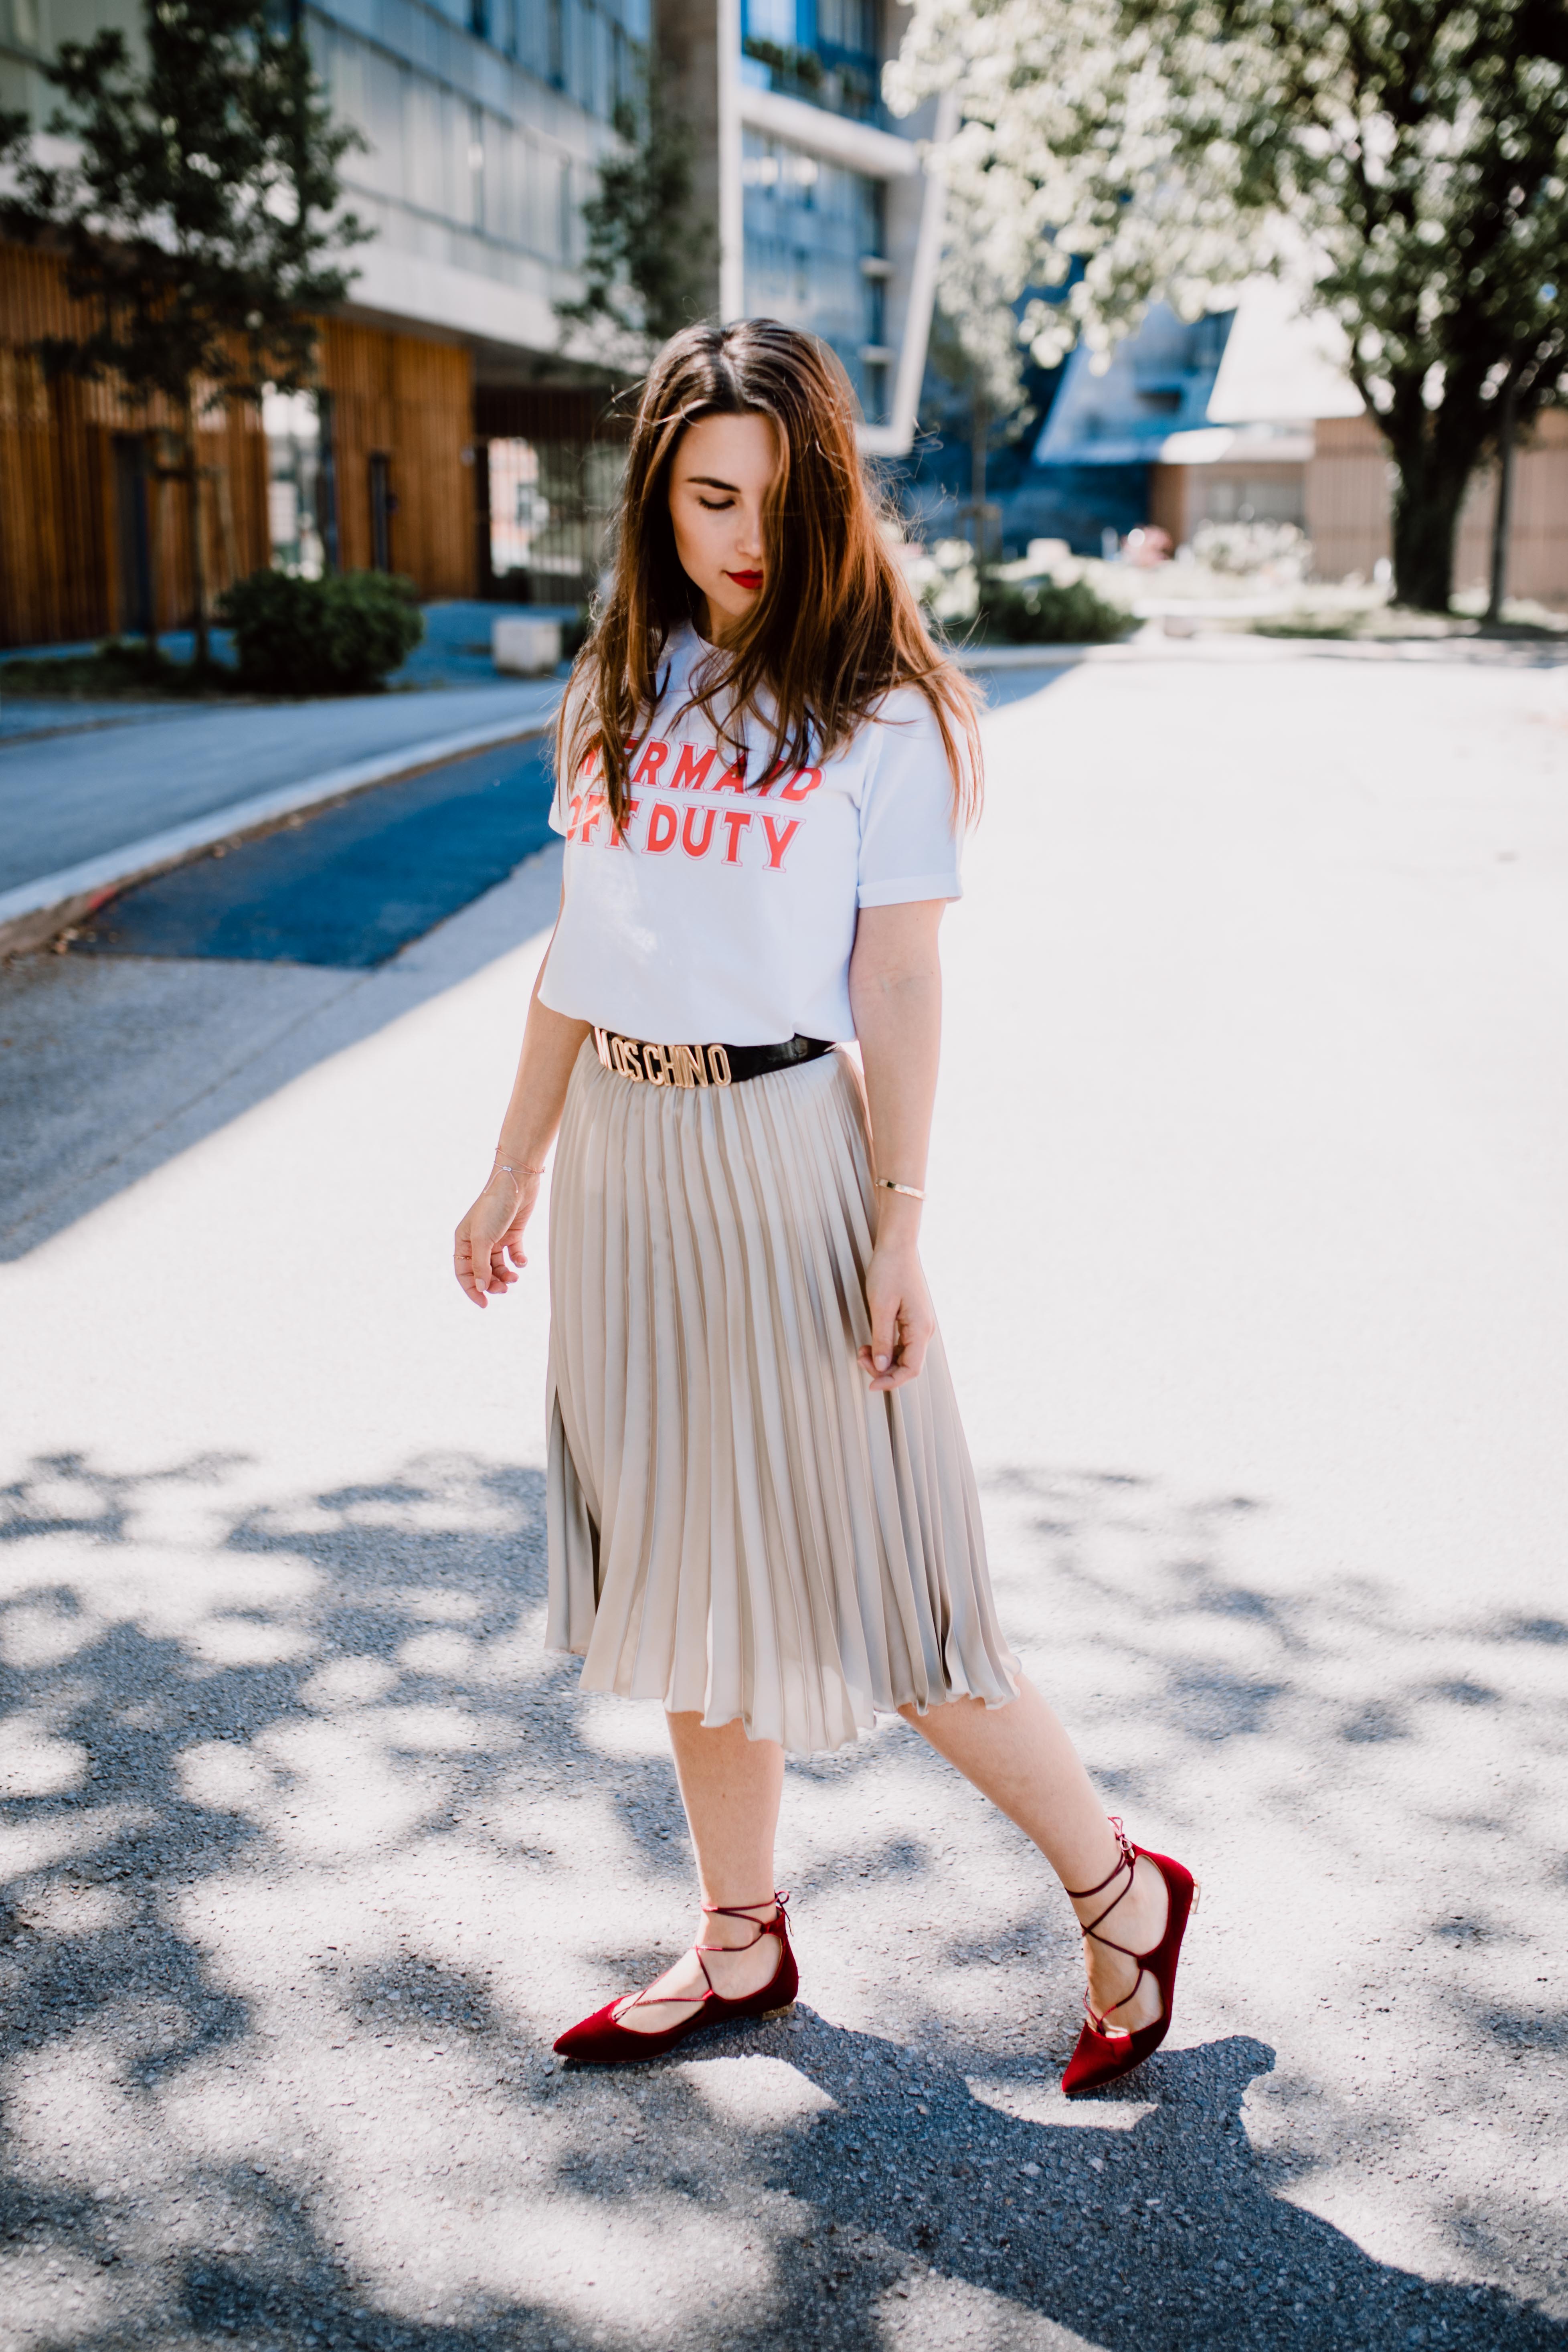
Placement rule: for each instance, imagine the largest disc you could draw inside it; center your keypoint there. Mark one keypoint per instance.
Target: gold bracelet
(506, 1167)
(886, 1184)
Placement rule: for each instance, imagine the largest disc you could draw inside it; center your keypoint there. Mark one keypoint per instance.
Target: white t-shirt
(727, 914)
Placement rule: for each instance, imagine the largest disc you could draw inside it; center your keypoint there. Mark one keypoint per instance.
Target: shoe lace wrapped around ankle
(716, 1911)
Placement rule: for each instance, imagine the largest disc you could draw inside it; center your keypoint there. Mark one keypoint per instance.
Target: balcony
(821, 73)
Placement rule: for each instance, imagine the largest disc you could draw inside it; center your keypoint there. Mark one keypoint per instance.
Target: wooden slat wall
(1347, 497)
(1349, 482)
(58, 568)
(412, 400)
(59, 572)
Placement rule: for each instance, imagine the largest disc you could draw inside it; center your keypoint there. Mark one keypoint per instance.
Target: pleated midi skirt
(738, 1526)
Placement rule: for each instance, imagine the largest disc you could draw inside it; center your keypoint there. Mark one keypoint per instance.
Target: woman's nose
(751, 531)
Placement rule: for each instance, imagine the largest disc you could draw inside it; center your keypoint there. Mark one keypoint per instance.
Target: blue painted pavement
(352, 885)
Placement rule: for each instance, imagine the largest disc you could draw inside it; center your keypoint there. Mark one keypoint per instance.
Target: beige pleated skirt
(738, 1526)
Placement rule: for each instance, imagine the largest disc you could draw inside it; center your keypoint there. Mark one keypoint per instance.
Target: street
(1246, 1229)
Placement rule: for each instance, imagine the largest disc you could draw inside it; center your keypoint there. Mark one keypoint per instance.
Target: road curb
(34, 912)
(1221, 647)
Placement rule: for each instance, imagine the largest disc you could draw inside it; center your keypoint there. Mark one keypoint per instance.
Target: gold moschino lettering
(663, 1066)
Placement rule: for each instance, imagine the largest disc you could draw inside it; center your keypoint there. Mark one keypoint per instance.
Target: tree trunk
(1503, 516)
(979, 447)
(1427, 497)
(154, 536)
(193, 518)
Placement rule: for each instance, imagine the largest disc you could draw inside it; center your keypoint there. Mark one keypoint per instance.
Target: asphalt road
(109, 777)
(1246, 1233)
(352, 885)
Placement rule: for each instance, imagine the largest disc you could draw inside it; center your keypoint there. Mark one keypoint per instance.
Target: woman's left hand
(902, 1317)
(487, 1249)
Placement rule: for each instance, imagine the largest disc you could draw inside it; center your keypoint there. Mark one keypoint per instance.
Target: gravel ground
(310, 1851)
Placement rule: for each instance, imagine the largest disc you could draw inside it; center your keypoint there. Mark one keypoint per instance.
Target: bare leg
(730, 1787)
(1020, 1756)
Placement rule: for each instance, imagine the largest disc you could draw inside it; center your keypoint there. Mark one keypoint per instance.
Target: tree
(1405, 160)
(650, 251)
(976, 356)
(196, 219)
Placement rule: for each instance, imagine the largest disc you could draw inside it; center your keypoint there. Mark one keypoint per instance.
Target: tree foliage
(1405, 162)
(650, 253)
(197, 216)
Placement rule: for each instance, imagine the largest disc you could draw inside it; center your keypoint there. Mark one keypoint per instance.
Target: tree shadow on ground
(114, 1067)
(337, 1709)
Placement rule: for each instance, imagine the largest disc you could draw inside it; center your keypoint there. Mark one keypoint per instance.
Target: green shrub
(342, 635)
(1051, 612)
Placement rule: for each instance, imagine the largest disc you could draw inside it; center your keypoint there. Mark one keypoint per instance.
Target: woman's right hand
(487, 1249)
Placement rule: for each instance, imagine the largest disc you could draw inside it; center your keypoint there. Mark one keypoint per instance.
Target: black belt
(701, 1066)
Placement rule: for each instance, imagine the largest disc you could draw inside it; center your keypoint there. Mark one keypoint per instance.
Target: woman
(761, 1511)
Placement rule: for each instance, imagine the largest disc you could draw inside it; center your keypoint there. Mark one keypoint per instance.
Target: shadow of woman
(1140, 2220)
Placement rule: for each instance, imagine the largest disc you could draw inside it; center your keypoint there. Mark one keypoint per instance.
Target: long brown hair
(835, 627)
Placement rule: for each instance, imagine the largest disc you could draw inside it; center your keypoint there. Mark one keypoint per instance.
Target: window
(814, 242)
(382, 507)
(519, 508)
(477, 168)
(132, 541)
(301, 491)
(565, 218)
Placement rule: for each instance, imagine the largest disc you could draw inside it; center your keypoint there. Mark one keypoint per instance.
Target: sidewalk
(82, 810)
(1251, 1278)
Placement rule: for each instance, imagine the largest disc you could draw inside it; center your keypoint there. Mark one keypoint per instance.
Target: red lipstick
(745, 579)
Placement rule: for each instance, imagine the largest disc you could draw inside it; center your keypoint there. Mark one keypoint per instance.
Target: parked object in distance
(526, 648)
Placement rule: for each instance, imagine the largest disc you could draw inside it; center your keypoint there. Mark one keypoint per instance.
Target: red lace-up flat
(602, 2041)
(1106, 2052)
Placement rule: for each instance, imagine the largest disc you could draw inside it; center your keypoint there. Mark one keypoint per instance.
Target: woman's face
(719, 484)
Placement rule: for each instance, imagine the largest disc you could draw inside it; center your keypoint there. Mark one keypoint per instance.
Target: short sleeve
(560, 799)
(909, 841)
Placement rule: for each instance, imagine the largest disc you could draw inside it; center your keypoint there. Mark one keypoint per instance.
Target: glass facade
(814, 242)
(473, 115)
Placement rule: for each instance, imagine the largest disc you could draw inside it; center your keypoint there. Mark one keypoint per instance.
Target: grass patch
(116, 670)
(1399, 624)
(1308, 624)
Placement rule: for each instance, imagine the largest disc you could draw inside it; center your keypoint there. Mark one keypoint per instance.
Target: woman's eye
(715, 506)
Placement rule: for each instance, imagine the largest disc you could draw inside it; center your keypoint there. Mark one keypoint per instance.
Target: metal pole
(1503, 513)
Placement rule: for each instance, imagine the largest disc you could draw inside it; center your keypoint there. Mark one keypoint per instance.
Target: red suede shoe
(1106, 2052)
(602, 2041)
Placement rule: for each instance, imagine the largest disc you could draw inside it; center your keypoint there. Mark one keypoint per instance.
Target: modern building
(1246, 415)
(454, 439)
(1137, 440)
(827, 216)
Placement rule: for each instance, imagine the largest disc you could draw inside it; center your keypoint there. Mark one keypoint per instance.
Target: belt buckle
(662, 1065)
